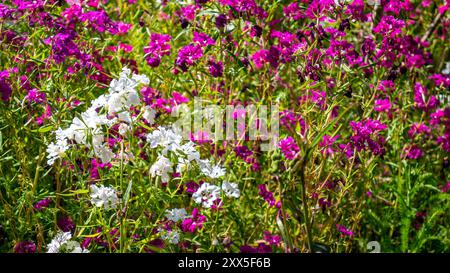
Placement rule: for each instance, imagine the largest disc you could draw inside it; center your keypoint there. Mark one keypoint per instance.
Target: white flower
(123, 129)
(172, 236)
(231, 189)
(142, 79)
(176, 215)
(74, 247)
(446, 71)
(104, 196)
(183, 165)
(189, 150)
(211, 171)
(58, 241)
(88, 126)
(149, 115)
(162, 167)
(57, 149)
(104, 152)
(165, 138)
(62, 243)
(206, 195)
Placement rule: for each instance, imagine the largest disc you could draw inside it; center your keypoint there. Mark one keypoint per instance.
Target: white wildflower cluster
(104, 197)
(61, 243)
(172, 236)
(107, 110)
(176, 215)
(231, 189)
(207, 193)
(170, 140)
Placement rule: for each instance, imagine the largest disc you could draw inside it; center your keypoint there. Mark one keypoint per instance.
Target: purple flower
(188, 55)
(66, 224)
(35, 96)
(345, 231)
(5, 89)
(158, 47)
(445, 188)
(44, 203)
(192, 187)
(259, 58)
(421, 98)
(417, 129)
(272, 239)
(221, 21)
(216, 68)
(261, 248)
(288, 147)
(187, 13)
(25, 247)
(203, 39)
(327, 143)
(268, 196)
(154, 245)
(382, 105)
(389, 26)
(413, 152)
(98, 20)
(366, 137)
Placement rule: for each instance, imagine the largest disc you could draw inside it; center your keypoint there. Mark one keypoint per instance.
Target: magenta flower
(288, 147)
(44, 203)
(389, 26)
(366, 137)
(421, 99)
(327, 143)
(158, 47)
(268, 196)
(344, 231)
(382, 105)
(272, 239)
(188, 55)
(417, 129)
(221, 21)
(203, 39)
(413, 152)
(194, 222)
(5, 89)
(35, 96)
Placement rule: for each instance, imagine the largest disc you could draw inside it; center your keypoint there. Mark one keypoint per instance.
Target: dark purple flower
(221, 21)
(5, 90)
(25, 247)
(216, 68)
(66, 224)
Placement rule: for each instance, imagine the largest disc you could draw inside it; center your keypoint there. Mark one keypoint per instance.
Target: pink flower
(382, 105)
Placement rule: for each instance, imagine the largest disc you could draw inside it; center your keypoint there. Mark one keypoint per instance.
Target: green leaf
(43, 129)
